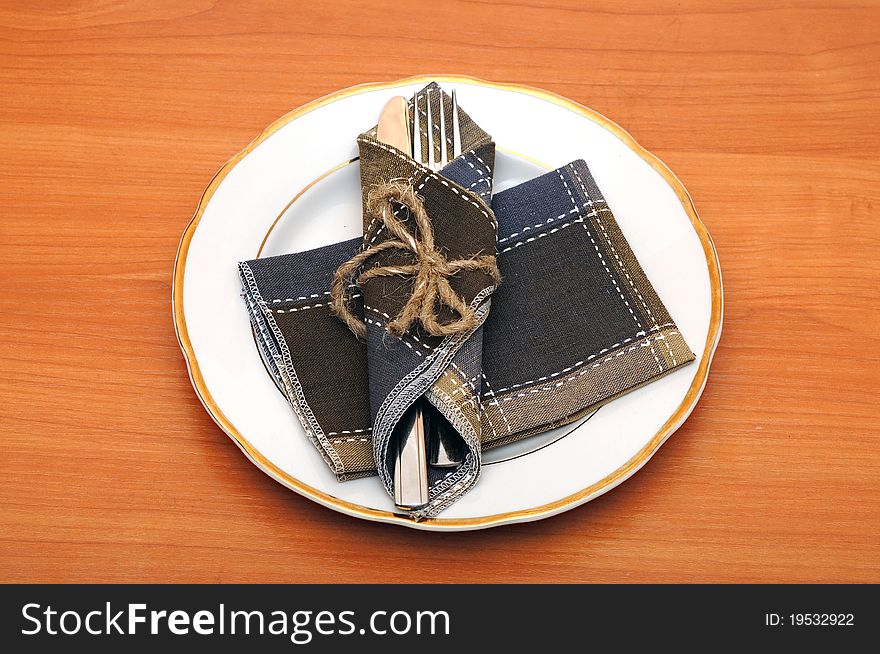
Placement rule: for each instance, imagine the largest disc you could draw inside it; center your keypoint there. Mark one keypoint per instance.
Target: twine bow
(431, 270)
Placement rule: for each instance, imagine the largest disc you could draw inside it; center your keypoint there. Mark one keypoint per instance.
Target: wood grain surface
(114, 117)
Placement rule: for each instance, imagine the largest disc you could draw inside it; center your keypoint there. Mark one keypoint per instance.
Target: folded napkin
(574, 322)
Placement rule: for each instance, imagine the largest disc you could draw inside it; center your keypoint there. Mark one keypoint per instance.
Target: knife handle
(411, 460)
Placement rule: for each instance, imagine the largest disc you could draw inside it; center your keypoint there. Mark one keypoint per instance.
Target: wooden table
(114, 119)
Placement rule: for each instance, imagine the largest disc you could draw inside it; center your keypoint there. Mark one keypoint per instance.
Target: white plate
(296, 187)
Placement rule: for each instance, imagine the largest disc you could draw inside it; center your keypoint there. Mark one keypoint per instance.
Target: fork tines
(431, 158)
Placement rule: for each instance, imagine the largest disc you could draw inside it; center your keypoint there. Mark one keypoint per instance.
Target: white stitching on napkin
(478, 170)
(578, 364)
(468, 196)
(303, 308)
(481, 180)
(350, 431)
(646, 343)
(485, 165)
(496, 403)
(543, 234)
(549, 221)
(425, 346)
(623, 267)
(293, 389)
(429, 173)
(607, 269)
(301, 297)
(338, 441)
(412, 347)
(476, 395)
(463, 390)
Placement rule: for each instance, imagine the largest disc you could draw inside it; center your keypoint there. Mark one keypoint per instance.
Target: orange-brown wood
(114, 117)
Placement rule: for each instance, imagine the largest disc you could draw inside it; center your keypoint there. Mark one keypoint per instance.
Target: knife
(409, 436)
(423, 436)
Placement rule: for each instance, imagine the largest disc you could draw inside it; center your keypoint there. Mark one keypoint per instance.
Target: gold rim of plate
(454, 524)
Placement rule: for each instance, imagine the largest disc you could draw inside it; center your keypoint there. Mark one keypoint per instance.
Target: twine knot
(430, 269)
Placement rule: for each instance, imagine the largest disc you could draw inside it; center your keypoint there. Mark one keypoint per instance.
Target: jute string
(431, 270)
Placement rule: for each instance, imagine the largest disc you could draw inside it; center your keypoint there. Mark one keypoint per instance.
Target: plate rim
(546, 510)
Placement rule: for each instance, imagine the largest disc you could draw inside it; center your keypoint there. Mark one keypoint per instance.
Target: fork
(444, 447)
(425, 437)
(429, 159)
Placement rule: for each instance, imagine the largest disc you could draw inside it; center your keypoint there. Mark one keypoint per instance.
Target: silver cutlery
(410, 463)
(423, 435)
(444, 443)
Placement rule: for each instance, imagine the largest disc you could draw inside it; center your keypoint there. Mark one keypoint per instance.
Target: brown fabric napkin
(573, 324)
